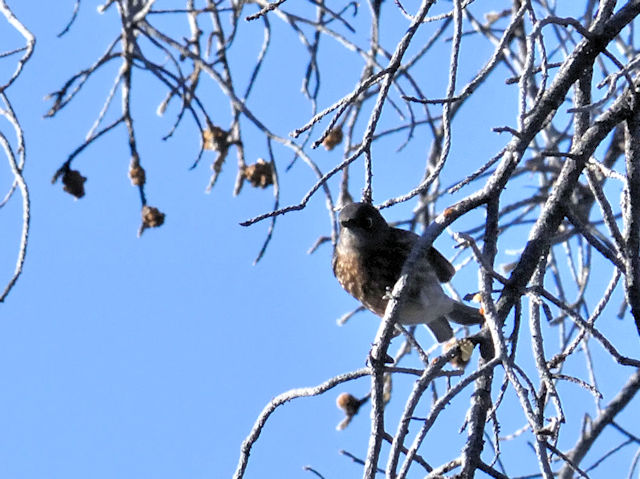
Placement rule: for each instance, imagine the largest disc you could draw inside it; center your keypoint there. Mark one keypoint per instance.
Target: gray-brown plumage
(368, 261)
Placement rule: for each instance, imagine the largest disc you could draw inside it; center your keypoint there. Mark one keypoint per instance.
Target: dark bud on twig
(73, 183)
(333, 138)
(260, 174)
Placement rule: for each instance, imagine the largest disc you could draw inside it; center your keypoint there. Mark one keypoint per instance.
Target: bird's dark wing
(440, 265)
(400, 242)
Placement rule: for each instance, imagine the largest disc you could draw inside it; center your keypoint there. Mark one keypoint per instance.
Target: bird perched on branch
(368, 261)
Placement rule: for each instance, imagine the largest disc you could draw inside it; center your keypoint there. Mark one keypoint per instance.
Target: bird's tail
(441, 329)
(465, 315)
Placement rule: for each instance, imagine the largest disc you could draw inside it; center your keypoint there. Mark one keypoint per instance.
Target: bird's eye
(368, 222)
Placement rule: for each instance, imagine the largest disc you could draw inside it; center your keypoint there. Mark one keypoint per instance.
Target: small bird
(368, 261)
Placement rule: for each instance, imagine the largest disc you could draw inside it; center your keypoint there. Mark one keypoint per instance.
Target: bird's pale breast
(366, 277)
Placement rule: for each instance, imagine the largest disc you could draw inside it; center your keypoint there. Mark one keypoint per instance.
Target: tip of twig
(507, 129)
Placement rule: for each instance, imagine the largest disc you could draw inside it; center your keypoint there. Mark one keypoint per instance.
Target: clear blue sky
(126, 357)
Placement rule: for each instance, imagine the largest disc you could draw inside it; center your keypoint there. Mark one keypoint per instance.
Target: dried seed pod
(350, 405)
(73, 183)
(333, 138)
(260, 174)
(215, 138)
(464, 351)
(152, 217)
(137, 174)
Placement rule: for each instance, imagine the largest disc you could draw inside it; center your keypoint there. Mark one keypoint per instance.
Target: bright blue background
(152, 357)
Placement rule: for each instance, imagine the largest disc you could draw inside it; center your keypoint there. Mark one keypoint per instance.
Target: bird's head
(361, 224)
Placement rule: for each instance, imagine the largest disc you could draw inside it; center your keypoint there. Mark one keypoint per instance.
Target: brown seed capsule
(152, 217)
(137, 175)
(348, 403)
(73, 183)
(463, 354)
(215, 138)
(333, 138)
(350, 406)
(260, 174)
